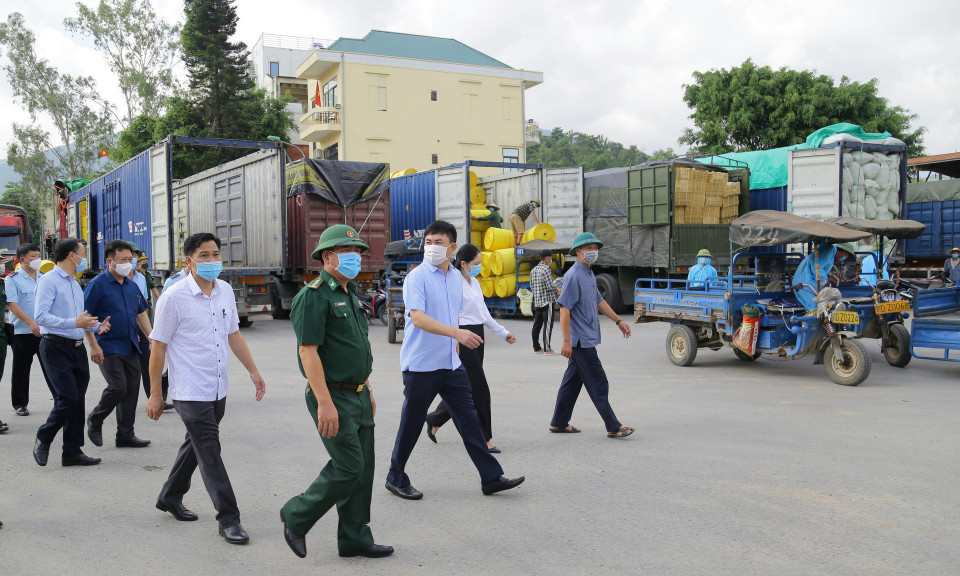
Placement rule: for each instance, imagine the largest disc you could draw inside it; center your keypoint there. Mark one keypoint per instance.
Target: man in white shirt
(196, 320)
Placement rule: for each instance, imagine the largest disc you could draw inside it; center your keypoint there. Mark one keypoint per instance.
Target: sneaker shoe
(22, 411)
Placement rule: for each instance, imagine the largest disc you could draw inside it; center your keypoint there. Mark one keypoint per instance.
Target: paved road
(736, 468)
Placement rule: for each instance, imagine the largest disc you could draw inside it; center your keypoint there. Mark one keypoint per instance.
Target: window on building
(331, 152)
(511, 156)
(434, 159)
(274, 68)
(470, 104)
(330, 93)
(507, 106)
(377, 92)
(433, 95)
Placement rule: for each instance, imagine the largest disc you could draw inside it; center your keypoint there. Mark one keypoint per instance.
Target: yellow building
(413, 101)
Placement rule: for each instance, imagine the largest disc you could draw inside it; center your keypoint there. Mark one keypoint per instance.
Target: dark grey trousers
(122, 374)
(201, 448)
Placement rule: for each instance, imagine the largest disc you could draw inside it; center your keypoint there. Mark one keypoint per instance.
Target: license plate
(845, 318)
(895, 306)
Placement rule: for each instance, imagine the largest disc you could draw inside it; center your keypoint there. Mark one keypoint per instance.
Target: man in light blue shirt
(580, 300)
(59, 312)
(432, 296)
(21, 297)
(174, 279)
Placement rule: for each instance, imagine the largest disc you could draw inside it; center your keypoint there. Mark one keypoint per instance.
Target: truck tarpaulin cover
(405, 247)
(772, 228)
(605, 214)
(343, 183)
(933, 191)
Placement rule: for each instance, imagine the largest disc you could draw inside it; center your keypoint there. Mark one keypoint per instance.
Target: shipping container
(412, 204)
(942, 234)
(830, 181)
(115, 206)
(769, 199)
(242, 203)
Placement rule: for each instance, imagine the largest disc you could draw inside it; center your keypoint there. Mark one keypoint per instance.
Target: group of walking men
(196, 322)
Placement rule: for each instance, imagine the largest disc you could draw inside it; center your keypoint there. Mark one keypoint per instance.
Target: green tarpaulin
(933, 191)
(768, 168)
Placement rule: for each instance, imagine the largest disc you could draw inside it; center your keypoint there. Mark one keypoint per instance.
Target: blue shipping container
(413, 204)
(769, 199)
(943, 229)
(119, 208)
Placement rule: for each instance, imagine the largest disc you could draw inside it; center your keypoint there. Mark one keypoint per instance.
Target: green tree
(756, 108)
(15, 194)
(559, 148)
(142, 49)
(72, 104)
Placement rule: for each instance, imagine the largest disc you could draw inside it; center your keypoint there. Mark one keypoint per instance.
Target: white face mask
(36, 263)
(434, 254)
(590, 256)
(123, 269)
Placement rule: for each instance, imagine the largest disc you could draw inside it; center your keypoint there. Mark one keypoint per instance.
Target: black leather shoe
(41, 451)
(178, 511)
(3, 427)
(94, 431)
(407, 492)
(80, 460)
(375, 551)
(501, 484)
(494, 450)
(296, 542)
(167, 406)
(132, 442)
(430, 434)
(234, 534)
(22, 411)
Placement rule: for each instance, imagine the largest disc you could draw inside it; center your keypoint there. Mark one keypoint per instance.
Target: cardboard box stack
(704, 197)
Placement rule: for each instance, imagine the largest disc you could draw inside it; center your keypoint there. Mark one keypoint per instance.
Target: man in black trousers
(112, 293)
(63, 321)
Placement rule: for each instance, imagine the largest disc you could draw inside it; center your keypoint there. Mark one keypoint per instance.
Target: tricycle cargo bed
(673, 300)
(936, 323)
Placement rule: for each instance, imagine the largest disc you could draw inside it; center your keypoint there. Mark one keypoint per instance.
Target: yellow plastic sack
(487, 287)
(478, 195)
(479, 225)
(506, 286)
(485, 264)
(503, 262)
(476, 238)
(542, 231)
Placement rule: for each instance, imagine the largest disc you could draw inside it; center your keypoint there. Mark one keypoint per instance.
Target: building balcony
(319, 123)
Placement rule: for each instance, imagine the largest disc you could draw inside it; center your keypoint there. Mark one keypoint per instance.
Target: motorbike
(374, 306)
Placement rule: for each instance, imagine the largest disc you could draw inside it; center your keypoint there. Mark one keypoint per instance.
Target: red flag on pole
(102, 153)
(316, 99)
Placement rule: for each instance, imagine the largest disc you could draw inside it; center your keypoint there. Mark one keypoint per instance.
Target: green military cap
(585, 238)
(339, 235)
(847, 246)
(704, 253)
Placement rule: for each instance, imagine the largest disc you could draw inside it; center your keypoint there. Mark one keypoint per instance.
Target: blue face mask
(955, 256)
(349, 264)
(703, 261)
(209, 270)
(82, 265)
(841, 258)
(475, 270)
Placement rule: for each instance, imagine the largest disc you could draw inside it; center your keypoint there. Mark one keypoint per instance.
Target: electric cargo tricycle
(759, 282)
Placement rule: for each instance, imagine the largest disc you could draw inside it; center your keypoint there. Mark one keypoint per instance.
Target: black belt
(62, 340)
(343, 386)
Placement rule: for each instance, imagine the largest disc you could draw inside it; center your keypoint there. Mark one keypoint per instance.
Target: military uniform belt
(345, 386)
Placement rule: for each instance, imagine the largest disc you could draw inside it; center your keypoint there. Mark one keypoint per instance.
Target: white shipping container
(813, 182)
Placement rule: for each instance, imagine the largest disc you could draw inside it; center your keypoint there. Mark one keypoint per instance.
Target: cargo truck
(935, 203)
(14, 230)
(630, 209)
(266, 228)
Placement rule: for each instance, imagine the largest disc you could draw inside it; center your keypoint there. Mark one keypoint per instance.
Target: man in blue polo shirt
(432, 296)
(21, 298)
(112, 293)
(580, 300)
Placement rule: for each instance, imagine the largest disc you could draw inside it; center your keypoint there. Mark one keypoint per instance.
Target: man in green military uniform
(335, 357)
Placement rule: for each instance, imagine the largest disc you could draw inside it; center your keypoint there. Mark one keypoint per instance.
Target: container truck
(14, 230)
(937, 204)
(631, 209)
(267, 228)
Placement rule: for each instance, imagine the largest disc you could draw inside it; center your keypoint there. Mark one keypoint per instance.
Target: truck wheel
(898, 352)
(681, 345)
(852, 368)
(391, 329)
(278, 312)
(245, 322)
(744, 356)
(610, 290)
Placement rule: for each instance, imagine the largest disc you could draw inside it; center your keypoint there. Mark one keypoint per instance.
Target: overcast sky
(614, 68)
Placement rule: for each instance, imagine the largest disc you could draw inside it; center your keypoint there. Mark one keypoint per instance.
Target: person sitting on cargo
(519, 217)
(951, 268)
(844, 271)
(701, 272)
(494, 218)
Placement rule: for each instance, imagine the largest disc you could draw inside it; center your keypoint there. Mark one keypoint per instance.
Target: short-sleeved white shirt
(195, 328)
